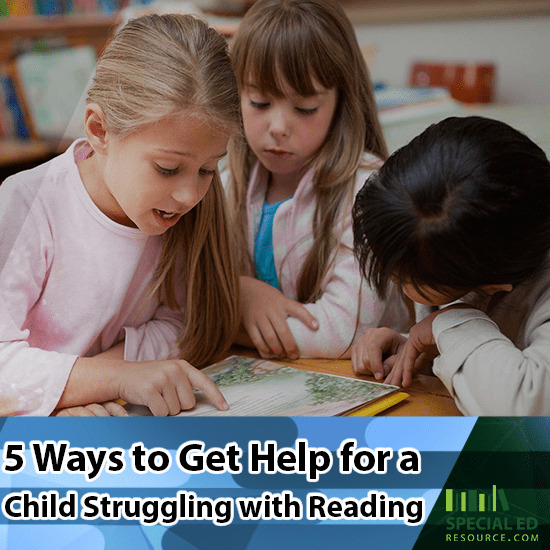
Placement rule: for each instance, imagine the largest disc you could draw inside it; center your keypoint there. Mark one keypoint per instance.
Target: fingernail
(378, 375)
(293, 356)
(314, 324)
(225, 406)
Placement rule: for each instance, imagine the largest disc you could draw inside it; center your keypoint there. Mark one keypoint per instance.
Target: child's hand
(368, 352)
(264, 313)
(109, 408)
(166, 387)
(419, 349)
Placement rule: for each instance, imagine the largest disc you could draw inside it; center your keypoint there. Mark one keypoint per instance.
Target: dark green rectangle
(503, 500)
(472, 500)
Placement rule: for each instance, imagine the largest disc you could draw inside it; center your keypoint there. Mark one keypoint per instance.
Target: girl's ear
(96, 129)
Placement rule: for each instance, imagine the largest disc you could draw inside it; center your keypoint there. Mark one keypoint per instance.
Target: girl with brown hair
(312, 138)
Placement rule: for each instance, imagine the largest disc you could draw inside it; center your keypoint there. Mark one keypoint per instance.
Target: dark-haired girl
(461, 216)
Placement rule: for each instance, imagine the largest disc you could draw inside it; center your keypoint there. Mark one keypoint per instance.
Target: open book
(255, 387)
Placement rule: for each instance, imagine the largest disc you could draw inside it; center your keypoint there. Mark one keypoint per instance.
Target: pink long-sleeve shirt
(336, 309)
(72, 283)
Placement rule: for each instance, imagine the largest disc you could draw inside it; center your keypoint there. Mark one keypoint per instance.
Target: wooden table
(428, 395)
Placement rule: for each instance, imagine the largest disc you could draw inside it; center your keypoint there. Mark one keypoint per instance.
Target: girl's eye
(205, 172)
(167, 171)
(258, 104)
(307, 111)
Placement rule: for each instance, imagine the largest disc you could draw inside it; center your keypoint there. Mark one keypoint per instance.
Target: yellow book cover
(380, 406)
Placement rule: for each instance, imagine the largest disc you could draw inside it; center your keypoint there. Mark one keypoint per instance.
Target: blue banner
(251, 483)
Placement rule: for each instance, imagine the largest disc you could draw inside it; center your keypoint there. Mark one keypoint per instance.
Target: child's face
(429, 296)
(285, 134)
(156, 174)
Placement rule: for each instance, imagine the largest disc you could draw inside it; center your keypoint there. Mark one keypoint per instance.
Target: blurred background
(514, 36)
(427, 58)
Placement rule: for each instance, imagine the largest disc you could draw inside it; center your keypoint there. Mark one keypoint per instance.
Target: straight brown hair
(294, 43)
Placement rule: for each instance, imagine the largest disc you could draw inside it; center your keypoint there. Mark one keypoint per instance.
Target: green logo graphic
(475, 501)
(484, 516)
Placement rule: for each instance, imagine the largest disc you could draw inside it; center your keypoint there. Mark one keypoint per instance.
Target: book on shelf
(7, 127)
(257, 387)
(20, 8)
(15, 114)
(466, 82)
(85, 6)
(52, 83)
(396, 104)
(46, 7)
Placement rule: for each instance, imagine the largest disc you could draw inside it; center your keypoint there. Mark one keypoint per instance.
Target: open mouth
(165, 215)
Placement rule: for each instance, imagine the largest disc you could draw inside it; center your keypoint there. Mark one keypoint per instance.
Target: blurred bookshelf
(42, 26)
(92, 29)
(36, 27)
(20, 149)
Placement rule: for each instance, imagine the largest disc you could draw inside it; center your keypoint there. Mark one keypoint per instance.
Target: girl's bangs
(276, 60)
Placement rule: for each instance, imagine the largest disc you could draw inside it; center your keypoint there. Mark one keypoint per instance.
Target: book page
(255, 387)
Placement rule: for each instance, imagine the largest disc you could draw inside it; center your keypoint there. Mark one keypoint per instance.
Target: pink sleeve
(337, 308)
(155, 339)
(31, 379)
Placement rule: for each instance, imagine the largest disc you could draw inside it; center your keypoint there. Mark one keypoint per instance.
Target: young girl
(312, 137)
(123, 237)
(463, 211)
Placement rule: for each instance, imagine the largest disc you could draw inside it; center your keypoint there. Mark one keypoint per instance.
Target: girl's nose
(278, 123)
(189, 193)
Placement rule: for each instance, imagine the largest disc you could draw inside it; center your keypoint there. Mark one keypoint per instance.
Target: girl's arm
(113, 359)
(31, 379)
(343, 293)
(166, 387)
(107, 408)
(265, 312)
(486, 373)
(155, 338)
(336, 310)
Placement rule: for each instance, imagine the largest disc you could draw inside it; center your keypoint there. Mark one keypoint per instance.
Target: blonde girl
(312, 138)
(115, 272)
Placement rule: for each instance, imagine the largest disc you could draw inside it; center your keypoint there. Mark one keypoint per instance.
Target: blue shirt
(263, 246)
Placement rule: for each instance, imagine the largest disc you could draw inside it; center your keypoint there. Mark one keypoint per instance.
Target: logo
(476, 515)
(474, 500)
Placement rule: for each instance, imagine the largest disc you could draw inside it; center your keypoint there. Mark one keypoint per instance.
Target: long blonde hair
(295, 42)
(162, 65)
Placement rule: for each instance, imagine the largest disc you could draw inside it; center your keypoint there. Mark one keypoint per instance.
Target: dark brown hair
(464, 204)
